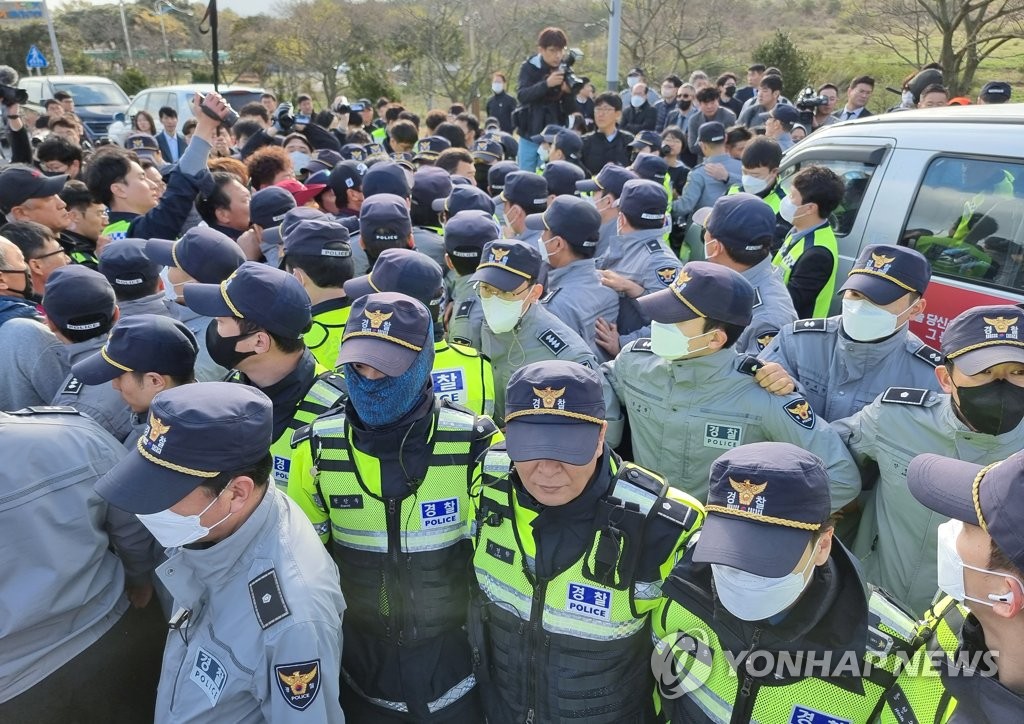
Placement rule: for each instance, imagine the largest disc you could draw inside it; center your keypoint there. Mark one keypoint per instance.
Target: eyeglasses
(486, 291)
(52, 253)
(687, 98)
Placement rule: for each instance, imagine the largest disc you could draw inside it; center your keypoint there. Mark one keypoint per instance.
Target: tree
(781, 53)
(957, 35)
(317, 36)
(668, 35)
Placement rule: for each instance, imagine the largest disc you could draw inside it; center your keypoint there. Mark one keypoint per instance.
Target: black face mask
(27, 291)
(730, 91)
(222, 349)
(993, 408)
(685, 105)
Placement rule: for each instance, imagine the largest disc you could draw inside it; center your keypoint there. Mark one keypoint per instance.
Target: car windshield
(94, 94)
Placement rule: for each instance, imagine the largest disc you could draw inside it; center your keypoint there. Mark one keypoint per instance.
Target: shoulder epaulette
(905, 395)
(464, 349)
(268, 599)
(748, 364)
(465, 308)
(757, 299)
(640, 345)
(929, 354)
(549, 296)
(301, 435)
(810, 325)
(46, 410)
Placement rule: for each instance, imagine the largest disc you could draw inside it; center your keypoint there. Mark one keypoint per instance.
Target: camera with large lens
(9, 95)
(572, 80)
(809, 100)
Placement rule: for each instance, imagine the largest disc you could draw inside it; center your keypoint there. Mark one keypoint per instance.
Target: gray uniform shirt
(62, 588)
(102, 403)
(206, 369)
(263, 640)
(773, 308)
(839, 376)
(467, 315)
(897, 542)
(684, 414)
(540, 336)
(153, 304)
(607, 232)
(702, 190)
(33, 362)
(577, 297)
(641, 257)
(429, 242)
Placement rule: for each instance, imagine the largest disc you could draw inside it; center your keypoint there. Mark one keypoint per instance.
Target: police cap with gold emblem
(554, 410)
(983, 337)
(386, 331)
(194, 433)
(141, 343)
(702, 289)
(507, 263)
(766, 502)
(884, 273)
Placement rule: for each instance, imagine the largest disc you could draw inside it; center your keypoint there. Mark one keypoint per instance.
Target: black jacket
(501, 105)
(598, 150)
(644, 118)
(540, 105)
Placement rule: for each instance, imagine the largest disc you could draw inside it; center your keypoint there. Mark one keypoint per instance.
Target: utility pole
(614, 26)
(53, 40)
(127, 39)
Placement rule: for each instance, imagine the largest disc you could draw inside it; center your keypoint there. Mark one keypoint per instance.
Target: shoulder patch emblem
(73, 387)
(766, 339)
(757, 299)
(809, 325)
(929, 354)
(905, 395)
(465, 308)
(299, 683)
(642, 345)
(653, 246)
(550, 339)
(267, 599)
(666, 273)
(801, 413)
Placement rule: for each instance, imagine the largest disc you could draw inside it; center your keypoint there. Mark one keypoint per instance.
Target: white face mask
(753, 184)
(707, 255)
(951, 568)
(299, 160)
(636, 101)
(668, 342)
(497, 87)
(172, 530)
(754, 598)
(787, 209)
(543, 154)
(632, 80)
(501, 315)
(866, 322)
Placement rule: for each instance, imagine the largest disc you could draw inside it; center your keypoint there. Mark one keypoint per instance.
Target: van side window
(968, 220)
(855, 174)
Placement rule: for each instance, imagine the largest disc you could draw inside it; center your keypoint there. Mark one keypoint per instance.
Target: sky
(242, 7)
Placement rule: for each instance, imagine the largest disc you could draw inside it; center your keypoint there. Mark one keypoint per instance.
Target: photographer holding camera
(546, 94)
(13, 132)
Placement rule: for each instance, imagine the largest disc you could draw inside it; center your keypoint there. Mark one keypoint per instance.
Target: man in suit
(857, 96)
(172, 144)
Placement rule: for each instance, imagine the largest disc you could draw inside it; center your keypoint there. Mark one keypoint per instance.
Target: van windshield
(94, 94)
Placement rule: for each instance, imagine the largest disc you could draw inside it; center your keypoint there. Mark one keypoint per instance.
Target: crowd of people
(349, 415)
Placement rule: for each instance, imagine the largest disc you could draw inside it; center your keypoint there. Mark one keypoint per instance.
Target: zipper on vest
(747, 695)
(393, 582)
(536, 633)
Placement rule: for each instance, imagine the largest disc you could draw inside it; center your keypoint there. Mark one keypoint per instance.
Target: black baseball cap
(702, 289)
(996, 91)
(554, 410)
(430, 184)
(976, 339)
(711, 132)
(464, 198)
(19, 183)
(570, 217)
(785, 113)
(644, 203)
(562, 177)
(205, 254)
(466, 233)
(766, 502)
(548, 134)
(384, 219)
(387, 331)
(318, 237)
(569, 142)
(141, 343)
(883, 273)
(610, 179)
(525, 189)
(269, 297)
(401, 270)
(650, 139)
(268, 206)
(651, 167)
(986, 496)
(386, 177)
(488, 150)
(125, 265)
(79, 299)
(194, 433)
(741, 222)
(430, 148)
(323, 159)
(346, 175)
(506, 263)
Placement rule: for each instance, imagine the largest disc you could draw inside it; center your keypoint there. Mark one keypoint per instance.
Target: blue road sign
(35, 58)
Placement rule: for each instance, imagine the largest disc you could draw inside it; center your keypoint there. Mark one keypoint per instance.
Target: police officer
(702, 188)
(134, 278)
(844, 362)
(689, 395)
(575, 294)
(606, 188)
(268, 208)
(256, 633)
(72, 648)
(390, 495)
(465, 235)
(738, 233)
(144, 355)
(525, 193)
(767, 613)
(460, 374)
(317, 253)
(517, 330)
(80, 310)
(260, 314)
(203, 255)
(571, 544)
(977, 418)
(462, 198)
(430, 184)
(975, 651)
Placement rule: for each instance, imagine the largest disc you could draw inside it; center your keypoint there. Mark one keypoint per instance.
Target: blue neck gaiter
(382, 402)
